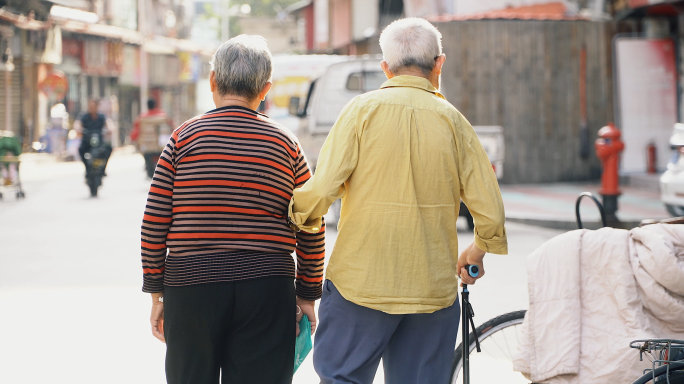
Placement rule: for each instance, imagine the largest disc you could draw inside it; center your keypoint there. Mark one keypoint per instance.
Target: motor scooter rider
(89, 123)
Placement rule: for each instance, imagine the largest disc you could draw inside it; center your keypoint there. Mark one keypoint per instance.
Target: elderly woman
(216, 243)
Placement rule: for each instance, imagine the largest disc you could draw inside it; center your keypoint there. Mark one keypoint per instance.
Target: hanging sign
(55, 85)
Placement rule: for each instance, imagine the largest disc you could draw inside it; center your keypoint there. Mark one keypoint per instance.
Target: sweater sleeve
(310, 247)
(157, 219)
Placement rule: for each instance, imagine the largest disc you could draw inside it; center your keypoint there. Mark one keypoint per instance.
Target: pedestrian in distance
(160, 124)
(216, 242)
(401, 158)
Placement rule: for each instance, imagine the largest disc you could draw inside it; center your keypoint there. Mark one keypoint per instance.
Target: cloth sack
(591, 293)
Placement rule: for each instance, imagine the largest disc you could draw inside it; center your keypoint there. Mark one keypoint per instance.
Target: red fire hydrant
(651, 158)
(608, 148)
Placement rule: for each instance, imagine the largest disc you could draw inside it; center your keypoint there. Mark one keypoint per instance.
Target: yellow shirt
(401, 158)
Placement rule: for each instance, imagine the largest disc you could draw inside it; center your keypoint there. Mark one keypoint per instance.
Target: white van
(292, 77)
(326, 97)
(672, 181)
(341, 82)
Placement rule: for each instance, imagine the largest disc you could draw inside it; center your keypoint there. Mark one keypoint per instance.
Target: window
(365, 81)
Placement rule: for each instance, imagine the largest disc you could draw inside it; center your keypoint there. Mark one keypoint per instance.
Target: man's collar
(413, 82)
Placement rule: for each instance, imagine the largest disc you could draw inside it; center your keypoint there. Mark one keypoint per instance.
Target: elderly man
(401, 158)
(218, 203)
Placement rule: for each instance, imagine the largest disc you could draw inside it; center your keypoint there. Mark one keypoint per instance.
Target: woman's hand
(157, 316)
(306, 307)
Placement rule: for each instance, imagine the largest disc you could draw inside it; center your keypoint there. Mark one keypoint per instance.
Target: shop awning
(153, 44)
(643, 8)
(22, 22)
(81, 4)
(544, 11)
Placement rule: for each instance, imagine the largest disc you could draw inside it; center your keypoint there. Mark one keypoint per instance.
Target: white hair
(242, 66)
(411, 42)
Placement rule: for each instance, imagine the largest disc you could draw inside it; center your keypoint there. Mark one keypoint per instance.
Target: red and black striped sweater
(218, 202)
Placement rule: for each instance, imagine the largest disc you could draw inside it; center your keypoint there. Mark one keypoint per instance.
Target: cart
(7, 185)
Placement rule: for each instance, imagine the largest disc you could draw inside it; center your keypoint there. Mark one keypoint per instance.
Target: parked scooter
(96, 161)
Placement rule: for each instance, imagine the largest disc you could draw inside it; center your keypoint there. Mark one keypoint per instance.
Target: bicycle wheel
(662, 376)
(498, 341)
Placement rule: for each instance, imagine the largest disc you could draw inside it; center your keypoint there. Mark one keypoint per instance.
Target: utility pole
(144, 68)
(9, 68)
(225, 19)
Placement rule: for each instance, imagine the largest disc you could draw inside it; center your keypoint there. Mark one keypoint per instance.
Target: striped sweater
(218, 203)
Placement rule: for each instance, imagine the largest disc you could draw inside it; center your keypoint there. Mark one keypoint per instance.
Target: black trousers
(243, 331)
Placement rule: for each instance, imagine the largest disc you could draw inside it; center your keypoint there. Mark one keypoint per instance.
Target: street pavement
(553, 205)
(71, 309)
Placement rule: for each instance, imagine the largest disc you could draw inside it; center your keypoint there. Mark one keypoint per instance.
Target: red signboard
(55, 85)
(642, 3)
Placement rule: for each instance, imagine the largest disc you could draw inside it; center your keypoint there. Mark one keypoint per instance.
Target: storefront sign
(71, 47)
(189, 67)
(102, 57)
(54, 85)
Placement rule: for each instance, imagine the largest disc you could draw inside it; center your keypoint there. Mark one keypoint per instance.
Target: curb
(570, 225)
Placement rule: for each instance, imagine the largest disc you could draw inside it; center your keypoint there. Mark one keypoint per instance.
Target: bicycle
(498, 337)
(667, 359)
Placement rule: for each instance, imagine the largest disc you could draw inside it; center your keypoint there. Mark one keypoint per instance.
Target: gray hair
(411, 42)
(242, 66)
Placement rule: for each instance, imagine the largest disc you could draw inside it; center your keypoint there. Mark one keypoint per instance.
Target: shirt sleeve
(157, 219)
(336, 162)
(480, 193)
(310, 247)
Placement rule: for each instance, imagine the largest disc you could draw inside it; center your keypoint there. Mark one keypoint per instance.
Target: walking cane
(467, 321)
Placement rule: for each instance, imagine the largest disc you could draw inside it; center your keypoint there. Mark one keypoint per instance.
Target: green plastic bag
(303, 344)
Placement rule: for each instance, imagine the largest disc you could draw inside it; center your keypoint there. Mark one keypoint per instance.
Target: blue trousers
(351, 340)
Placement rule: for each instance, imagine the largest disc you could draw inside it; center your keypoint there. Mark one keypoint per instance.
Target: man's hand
(306, 308)
(157, 317)
(470, 256)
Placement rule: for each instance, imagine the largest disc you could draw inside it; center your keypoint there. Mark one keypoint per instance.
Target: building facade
(117, 51)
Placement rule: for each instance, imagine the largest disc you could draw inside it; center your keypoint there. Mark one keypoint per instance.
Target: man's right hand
(470, 256)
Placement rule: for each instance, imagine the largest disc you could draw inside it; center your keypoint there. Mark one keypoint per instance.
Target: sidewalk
(553, 205)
